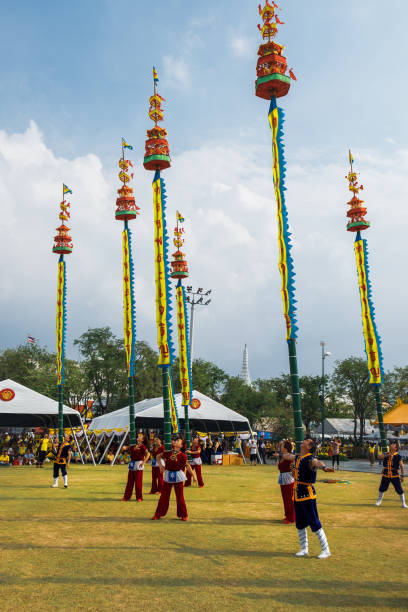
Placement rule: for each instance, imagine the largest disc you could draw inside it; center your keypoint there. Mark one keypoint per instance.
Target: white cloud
(241, 46)
(226, 196)
(176, 73)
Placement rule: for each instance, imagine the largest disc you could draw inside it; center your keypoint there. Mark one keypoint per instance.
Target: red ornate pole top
(63, 241)
(126, 208)
(357, 222)
(157, 155)
(272, 80)
(179, 263)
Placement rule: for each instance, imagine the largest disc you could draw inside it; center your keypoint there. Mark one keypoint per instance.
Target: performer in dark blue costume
(392, 465)
(62, 460)
(306, 514)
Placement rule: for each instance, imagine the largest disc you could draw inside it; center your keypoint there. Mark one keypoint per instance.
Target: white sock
(304, 544)
(56, 482)
(380, 497)
(402, 498)
(323, 541)
(66, 480)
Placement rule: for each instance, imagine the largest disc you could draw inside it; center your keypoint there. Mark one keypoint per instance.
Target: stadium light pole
(195, 298)
(324, 355)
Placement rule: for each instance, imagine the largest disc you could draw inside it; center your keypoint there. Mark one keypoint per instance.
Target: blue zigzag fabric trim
(187, 327)
(133, 304)
(169, 308)
(370, 302)
(64, 318)
(286, 232)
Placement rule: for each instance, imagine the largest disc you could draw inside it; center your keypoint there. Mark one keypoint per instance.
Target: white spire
(245, 369)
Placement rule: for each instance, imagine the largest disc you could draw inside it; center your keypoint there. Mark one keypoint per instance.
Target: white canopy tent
(31, 409)
(210, 416)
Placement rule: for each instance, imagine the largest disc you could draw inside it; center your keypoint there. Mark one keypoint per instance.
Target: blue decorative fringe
(371, 304)
(133, 305)
(169, 308)
(286, 233)
(64, 318)
(187, 327)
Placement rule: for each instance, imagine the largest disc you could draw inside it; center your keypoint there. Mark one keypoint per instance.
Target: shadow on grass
(319, 597)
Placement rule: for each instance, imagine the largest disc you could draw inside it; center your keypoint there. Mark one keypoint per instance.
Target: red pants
(197, 469)
(287, 496)
(163, 504)
(135, 477)
(157, 480)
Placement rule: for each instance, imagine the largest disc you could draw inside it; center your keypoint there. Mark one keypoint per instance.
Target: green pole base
(166, 408)
(294, 381)
(132, 429)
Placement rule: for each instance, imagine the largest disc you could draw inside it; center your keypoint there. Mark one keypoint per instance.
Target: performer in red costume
(157, 476)
(195, 462)
(175, 463)
(286, 479)
(138, 457)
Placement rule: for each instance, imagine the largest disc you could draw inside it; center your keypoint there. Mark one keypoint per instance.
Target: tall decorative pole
(157, 158)
(62, 246)
(179, 272)
(357, 223)
(271, 83)
(126, 210)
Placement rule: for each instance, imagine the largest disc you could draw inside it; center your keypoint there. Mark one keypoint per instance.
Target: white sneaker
(324, 554)
(302, 553)
(377, 503)
(54, 486)
(404, 506)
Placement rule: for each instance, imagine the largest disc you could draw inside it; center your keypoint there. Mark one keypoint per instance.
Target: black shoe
(65, 486)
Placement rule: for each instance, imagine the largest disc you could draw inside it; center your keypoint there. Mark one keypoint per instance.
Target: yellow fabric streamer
(127, 301)
(173, 411)
(161, 301)
(370, 338)
(283, 264)
(60, 318)
(181, 326)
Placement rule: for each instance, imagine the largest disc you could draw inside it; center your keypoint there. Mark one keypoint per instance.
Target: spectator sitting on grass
(4, 458)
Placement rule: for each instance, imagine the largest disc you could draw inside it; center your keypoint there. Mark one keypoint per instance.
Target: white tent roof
(31, 409)
(211, 416)
(343, 427)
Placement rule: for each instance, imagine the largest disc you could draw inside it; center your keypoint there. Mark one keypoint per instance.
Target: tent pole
(107, 447)
(76, 440)
(120, 446)
(102, 437)
(87, 441)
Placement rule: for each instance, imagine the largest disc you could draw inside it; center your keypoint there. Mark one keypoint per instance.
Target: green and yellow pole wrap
(60, 329)
(372, 339)
(163, 306)
(286, 267)
(129, 326)
(184, 357)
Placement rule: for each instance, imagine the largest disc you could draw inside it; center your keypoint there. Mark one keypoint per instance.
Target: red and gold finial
(63, 241)
(126, 208)
(272, 80)
(179, 265)
(357, 211)
(157, 155)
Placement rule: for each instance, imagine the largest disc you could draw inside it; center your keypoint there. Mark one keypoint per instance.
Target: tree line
(100, 375)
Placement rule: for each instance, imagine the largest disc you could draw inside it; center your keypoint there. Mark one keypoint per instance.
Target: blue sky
(81, 71)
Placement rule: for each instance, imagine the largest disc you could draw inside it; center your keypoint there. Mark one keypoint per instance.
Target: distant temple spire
(245, 369)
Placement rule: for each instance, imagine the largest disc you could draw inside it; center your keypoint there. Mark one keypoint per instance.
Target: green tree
(396, 385)
(310, 388)
(147, 379)
(104, 365)
(31, 366)
(208, 378)
(351, 380)
(249, 401)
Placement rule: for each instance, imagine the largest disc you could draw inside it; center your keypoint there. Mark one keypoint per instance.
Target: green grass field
(81, 548)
